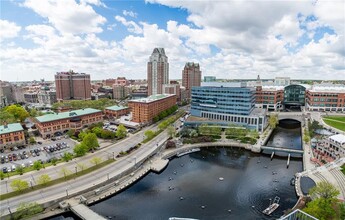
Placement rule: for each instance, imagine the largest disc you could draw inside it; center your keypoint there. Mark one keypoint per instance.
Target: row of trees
(79, 104)
(165, 113)
(44, 179)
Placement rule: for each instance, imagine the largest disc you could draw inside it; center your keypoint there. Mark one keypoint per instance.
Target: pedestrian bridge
(298, 116)
(80, 209)
(281, 149)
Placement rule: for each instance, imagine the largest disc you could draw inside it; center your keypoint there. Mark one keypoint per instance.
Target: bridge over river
(281, 149)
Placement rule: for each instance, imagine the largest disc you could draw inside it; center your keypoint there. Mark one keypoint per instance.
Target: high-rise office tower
(191, 76)
(157, 71)
(72, 86)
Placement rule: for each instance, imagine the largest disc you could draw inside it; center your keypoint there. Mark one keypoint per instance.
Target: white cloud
(129, 13)
(94, 2)
(131, 25)
(8, 29)
(67, 16)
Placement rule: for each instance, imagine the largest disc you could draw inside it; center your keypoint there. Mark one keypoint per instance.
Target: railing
(298, 214)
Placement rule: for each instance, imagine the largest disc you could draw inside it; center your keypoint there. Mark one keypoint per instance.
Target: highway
(89, 180)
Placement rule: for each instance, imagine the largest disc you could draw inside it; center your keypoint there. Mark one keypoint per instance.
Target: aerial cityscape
(179, 110)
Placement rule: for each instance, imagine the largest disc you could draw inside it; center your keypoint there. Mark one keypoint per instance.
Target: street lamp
(67, 192)
(31, 184)
(135, 160)
(113, 155)
(76, 170)
(9, 210)
(6, 186)
(108, 175)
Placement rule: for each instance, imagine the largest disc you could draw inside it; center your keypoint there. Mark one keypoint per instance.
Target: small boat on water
(292, 182)
(272, 207)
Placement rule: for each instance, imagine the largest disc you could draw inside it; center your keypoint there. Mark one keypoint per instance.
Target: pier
(81, 210)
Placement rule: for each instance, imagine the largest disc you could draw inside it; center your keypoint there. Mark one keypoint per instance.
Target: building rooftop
(272, 88)
(225, 84)
(65, 115)
(152, 98)
(116, 107)
(10, 128)
(340, 138)
(328, 88)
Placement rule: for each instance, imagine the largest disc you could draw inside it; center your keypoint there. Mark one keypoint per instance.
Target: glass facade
(224, 100)
(294, 95)
(225, 106)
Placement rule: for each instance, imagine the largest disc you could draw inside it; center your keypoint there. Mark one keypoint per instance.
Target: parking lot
(31, 153)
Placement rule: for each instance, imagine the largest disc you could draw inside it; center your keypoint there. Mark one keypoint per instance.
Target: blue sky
(230, 39)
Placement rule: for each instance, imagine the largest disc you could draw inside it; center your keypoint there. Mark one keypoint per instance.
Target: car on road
(23, 165)
(13, 168)
(39, 142)
(4, 170)
(31, 163)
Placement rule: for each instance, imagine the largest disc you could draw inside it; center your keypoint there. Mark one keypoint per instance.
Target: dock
(159, 164)
(82, 211)
(188, 152)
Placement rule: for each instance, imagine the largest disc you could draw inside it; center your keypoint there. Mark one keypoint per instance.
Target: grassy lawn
(343, 169)
(338, 123)
(338, 118)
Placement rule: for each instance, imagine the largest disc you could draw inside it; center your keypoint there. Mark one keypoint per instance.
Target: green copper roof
(11, 128)
(64, 115)
(116, 107)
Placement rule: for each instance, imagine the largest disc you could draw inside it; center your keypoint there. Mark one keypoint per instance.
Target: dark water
(65, 216)
(246, 189)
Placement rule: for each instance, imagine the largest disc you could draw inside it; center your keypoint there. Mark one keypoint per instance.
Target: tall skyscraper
(72, 86)
(157, 71)
(191, 76)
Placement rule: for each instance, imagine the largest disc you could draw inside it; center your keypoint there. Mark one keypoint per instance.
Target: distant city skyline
(229, 39)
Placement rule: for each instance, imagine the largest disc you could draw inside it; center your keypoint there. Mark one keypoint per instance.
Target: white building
(333, 146)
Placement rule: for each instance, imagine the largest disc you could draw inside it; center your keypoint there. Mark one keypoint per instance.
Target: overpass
(281, 149)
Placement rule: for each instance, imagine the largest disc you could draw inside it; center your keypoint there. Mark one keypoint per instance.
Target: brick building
(191, 76)
(72, 86)
(173, 89)
(326, 98)
(116, 111)
(50, 124)
(11, 135)
(269, 97)
(144, 110)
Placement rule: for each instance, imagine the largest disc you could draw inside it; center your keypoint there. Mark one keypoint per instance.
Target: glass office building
(226, 104)
(294, 96)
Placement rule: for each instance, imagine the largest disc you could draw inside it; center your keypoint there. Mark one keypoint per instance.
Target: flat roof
(116, 107)
(11, 128)
(65, 115)
(152, 98)
(330, 89)
(340, 138)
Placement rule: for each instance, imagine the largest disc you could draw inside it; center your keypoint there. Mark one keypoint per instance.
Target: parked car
(4, 170)
(39, 142)
(13, 168)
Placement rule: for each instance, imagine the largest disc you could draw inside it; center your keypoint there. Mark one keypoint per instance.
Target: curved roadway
(87, 181)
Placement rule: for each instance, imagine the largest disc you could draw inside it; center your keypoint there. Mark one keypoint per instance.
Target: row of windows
(238, 119)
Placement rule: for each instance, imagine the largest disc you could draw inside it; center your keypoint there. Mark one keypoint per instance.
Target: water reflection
(249, 181)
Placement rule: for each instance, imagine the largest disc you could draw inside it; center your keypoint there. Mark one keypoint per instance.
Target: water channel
(190, 186)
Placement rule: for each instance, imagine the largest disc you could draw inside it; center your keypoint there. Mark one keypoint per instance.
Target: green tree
(37, 165)
(320, 208)
(44, 179)
(306, 138)
(171, 131)
(65, 172)
(20, 170)
(18, 112)
(90, 140)
(2, 175)
(324, 190)
(19, 185)
(96, 160)
(32, 140)
(33, 112)
(6, 117)
(67, 156)
(81, 135)
(80, 149)
(273, 121)
(54, 161)
(121, 131)
(81, 166)
(27, 210)
(71, 132)
(149, 134)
